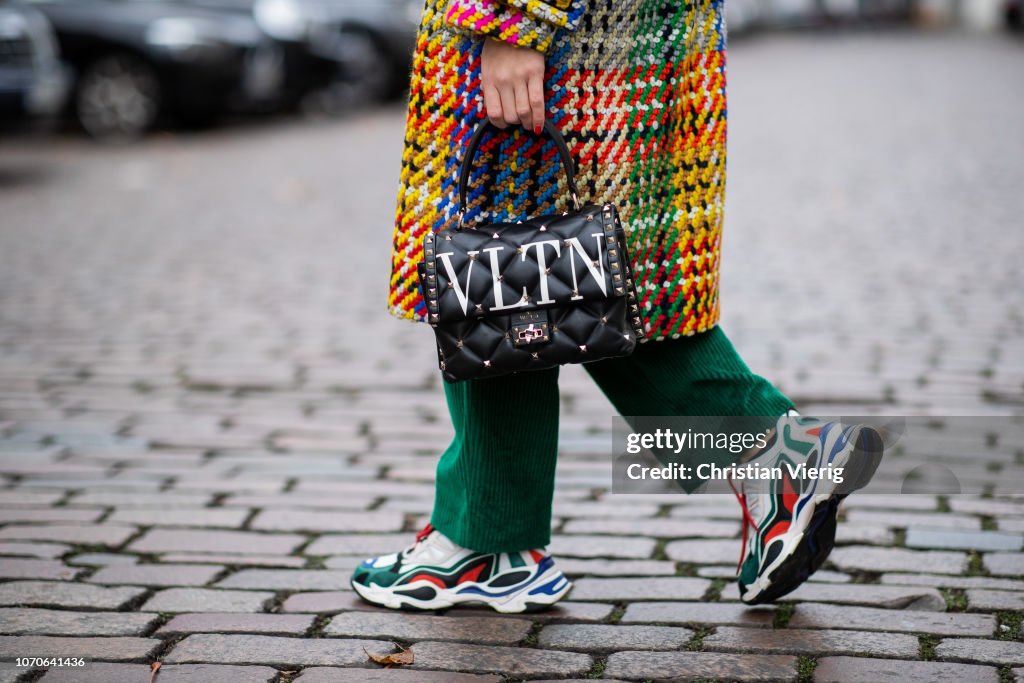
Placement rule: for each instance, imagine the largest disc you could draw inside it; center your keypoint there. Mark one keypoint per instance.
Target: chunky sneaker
(793, 519)
(435, 573)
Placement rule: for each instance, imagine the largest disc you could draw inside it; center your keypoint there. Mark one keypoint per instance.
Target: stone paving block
(412, 627)
(304, 500)
(861, 558)
(953, 581)
(233, 622)
(866, 670)
(608, 638)
(810, 642)
(866, 534)
(64, 514)
(102, 672)
(811, 615)
(29, 549)
(236, 560)
(1005, 564)
(511, 661)
(17, 568)
(9, 673)
(350, 562)
(564, 611)
(117, 648)
(704, 552)
(980, 600)
(317, 520)
(101, 559)
(700, 666)
(698, 614)
(604, 508)
(200, 540)
(30, 621)
(902, 520)
(367, 545)
(162, 500)
(598, 546)
(660, 527)
(289, 579)
(364, 488)
(323, 674)
(655, 588)
(63, 594)
(891, 597)
(10, 498)
(920, 503)
(326, 602)
(275, 651)
(965, 540)
(92, 534)
(206, 600)
(577, 567)
(156, 574)
(1003, 652)
(982, 506)
(206, 517)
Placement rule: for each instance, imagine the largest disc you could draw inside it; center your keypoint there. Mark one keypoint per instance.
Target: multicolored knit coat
(637, 88)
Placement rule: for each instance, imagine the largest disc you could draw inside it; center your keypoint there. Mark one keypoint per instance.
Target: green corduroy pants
(495, 481)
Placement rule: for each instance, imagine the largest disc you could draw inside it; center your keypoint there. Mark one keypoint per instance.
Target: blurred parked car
(1014, 14)
(344, 51)
(33, 82)
(136, 60)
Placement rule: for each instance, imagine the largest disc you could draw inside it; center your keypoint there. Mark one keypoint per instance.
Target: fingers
(535, 94)
(492, 102)
(509, 112)
(524, 110)
(512, 80)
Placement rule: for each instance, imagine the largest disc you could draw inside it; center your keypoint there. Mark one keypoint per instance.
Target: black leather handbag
(529, 295)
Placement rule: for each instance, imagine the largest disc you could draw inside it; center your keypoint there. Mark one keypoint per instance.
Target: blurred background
(115, 69)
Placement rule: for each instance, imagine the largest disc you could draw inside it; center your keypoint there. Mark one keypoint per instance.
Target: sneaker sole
(539, 594)
(808, 549)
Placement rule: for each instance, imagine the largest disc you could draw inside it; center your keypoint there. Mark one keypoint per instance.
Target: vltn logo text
(595, 269)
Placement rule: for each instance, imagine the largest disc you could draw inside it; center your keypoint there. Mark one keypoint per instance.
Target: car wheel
(118, 98)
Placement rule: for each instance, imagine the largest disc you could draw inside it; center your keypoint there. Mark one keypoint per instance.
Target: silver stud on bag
(535, 355)
(487, 363)
(583, 348)
(459, 344)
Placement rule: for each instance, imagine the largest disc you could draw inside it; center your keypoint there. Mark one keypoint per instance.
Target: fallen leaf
(155, 668)
(402, 657)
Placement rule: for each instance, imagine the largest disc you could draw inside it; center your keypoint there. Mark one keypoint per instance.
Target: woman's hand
(513, 83)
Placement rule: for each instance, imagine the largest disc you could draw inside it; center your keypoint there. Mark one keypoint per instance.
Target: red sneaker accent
(472, 574)
(536, 555)
(427, 577)
(747, 522)
(424, 533)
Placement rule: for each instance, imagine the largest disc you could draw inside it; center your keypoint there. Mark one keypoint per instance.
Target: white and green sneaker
(793, 519)
(435, 573)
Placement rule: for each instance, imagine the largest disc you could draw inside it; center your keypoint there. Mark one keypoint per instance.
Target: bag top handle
(474, 146)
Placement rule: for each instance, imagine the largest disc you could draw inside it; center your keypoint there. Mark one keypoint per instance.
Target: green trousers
(495, 481)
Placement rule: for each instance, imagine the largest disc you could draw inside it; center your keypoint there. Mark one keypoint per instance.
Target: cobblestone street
(207, 416)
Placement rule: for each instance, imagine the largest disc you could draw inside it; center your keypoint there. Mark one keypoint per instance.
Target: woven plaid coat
(638, 89)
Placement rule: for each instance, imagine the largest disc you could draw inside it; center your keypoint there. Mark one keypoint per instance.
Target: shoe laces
(746, 519)
(420, 537)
